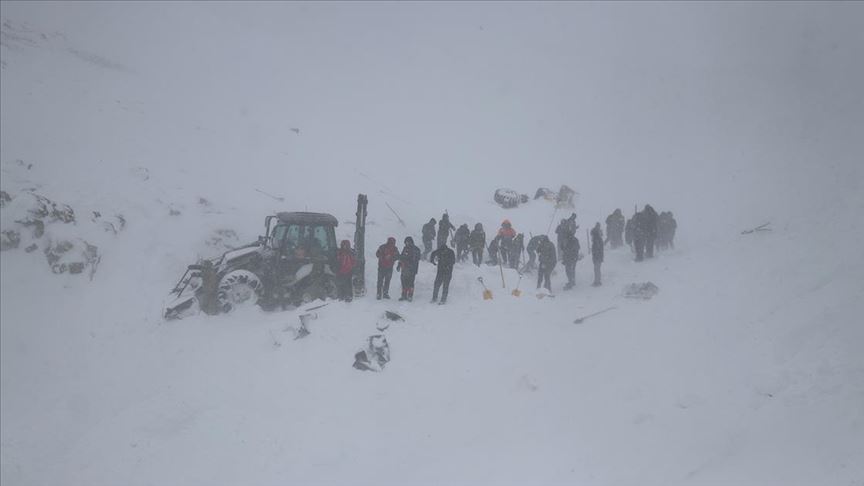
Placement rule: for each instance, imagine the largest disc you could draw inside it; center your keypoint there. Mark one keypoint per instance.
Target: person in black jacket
(649, 223)
(639, 235)
(428, 237)
(409, 264)
(570, 255)
(615, 229)
(565, 227)
(547, 259)
(461, 240)
(597, 252)
(533, 244)
(444, 258)
(444, 228)
(477, 243)
(628, 233)
(494, 251)
(516, 249)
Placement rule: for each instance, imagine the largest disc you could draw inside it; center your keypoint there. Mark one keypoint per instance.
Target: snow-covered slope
(745, 368)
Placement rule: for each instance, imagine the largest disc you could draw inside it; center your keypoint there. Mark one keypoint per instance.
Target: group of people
(647, 231)
(644, 232)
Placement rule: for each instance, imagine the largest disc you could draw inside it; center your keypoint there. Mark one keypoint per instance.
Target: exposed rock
(4, 198)
(72, 256)
(9, 239)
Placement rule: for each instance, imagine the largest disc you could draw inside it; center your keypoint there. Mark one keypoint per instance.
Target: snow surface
(746, 368)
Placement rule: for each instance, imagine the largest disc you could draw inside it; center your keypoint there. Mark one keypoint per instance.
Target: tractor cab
(302, 236)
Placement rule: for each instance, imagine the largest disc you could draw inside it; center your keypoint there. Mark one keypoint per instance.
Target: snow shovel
(487, 294)
(516, 292)
(582, 319)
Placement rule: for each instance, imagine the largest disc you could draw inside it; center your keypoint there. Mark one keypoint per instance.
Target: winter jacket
(409, 260)
(533, 244)
(477, 239)
(444, 257)
(462, 234)
(649, 221)
(507, 232)
(429, 231)
(387, 254)
(345, 259)
(615, 222)
(596, 245)
(547, 256)
(570, 249)
(444, 227)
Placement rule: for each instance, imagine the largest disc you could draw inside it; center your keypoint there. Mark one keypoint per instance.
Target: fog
(729, 114)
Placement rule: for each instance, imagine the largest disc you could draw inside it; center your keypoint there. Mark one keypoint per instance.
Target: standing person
(570, 252)
(673, 227)
(346, 261)
(505, 240)
(387, 255)
(547, 259)
(461, 240)
(628, 233)
(495, 250)
(639, 235)
(409, 264)
(477, 243)
(615, 228)
(533, 245)
(516, 249)
(444, 227)
(565, 227)
(428, 237)
(597, 252)
(650, 222)
(562, 231)
(444, 258)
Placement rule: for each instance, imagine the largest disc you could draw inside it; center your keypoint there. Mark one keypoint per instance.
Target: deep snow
(745, 368)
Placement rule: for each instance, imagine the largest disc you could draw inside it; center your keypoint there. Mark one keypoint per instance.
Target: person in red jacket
(345, 262)
(387, 255)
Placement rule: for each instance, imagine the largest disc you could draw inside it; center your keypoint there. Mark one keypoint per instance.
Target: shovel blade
(516, 293)
(487, 295)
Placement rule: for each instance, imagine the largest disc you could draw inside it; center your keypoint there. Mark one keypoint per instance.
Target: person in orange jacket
(505, 240)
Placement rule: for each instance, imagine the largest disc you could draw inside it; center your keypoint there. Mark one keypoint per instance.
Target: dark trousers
(343, 287)
(427, 247)
(442, 278)
(477, 256)
(639, 243)
(461, 251)
(544, 277)
(408, 285)
(384, 276)
(514, 260)
(649, 246)
(597, 273)
(570, 270)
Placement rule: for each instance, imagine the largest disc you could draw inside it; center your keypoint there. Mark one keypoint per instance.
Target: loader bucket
(181, 307)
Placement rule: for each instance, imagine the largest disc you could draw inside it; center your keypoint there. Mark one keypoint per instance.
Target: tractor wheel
(239, 288)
